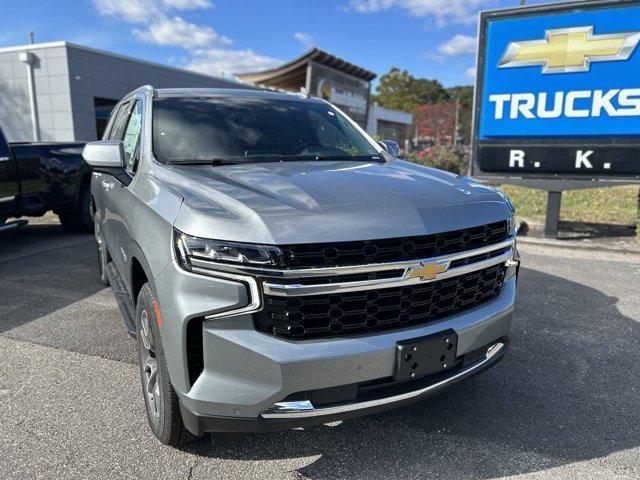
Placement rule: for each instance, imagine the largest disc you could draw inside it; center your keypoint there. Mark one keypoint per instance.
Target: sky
(430, 38)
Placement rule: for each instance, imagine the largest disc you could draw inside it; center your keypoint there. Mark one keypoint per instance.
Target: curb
(573, 245)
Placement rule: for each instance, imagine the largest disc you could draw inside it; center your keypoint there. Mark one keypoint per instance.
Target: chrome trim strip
(255, 295)
(289, 408)
(253, 306)
(297, 290)
(305, 409)
(346, 270)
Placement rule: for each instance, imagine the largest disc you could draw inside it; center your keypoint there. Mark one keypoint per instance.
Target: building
(64, 92)
(61, 91)
(387, 124)
(323, 75)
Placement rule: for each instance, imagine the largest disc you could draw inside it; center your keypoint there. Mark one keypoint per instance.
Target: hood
(326, 201)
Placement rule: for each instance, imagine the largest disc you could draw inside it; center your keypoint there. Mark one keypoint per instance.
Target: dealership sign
(558, 92)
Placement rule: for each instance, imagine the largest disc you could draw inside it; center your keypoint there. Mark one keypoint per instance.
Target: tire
(163, 408)
(79, 220)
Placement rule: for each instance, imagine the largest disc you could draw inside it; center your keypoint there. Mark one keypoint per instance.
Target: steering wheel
(303, 146)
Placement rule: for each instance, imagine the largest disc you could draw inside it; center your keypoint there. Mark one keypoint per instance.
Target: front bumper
(247, 372)
(286, 415)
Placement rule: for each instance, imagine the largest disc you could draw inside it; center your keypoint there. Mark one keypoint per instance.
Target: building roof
(388, 115)
(44, 45)
(293, 74)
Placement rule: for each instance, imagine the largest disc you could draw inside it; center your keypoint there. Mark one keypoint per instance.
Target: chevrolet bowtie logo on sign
(558, 93)
(570, 50)
(426, 271)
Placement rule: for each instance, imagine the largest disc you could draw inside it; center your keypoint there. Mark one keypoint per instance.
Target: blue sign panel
(567, 73)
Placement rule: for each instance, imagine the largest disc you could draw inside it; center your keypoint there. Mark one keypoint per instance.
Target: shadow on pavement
(50, 293)
(567, 391)
(572, 230)
(582, 230)
(43, 269)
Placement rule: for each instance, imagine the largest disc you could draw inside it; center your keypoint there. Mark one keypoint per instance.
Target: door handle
(4, 159)
(108, 185)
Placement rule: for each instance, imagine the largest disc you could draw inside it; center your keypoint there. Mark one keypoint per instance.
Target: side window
(131, 138)
(120, 119)
(110, 123)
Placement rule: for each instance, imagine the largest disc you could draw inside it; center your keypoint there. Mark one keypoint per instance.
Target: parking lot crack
(191, 468)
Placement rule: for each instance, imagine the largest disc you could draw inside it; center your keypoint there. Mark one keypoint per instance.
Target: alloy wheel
(150, 379)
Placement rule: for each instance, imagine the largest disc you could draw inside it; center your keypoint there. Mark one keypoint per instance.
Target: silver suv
(279, 269)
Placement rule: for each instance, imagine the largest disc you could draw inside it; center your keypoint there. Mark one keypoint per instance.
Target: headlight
(190, 248)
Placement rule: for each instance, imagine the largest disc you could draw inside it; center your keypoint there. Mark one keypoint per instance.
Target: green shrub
(451, 158)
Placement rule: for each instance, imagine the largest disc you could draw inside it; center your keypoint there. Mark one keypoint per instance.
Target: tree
(435, 123)
(464, 95)
(399, 90)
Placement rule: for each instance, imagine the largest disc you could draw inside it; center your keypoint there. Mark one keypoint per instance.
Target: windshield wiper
(208, 161)
(359, 158)
(269, 158)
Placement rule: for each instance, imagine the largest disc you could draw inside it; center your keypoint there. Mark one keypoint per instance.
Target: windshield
(192, 129)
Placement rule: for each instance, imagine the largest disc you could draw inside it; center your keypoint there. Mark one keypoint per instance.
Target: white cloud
(458, 45)
(187, 4)
(471, 72)
(217, 61)
(368, 6)
(305, 39)
(179, 33)
(133, 11)
(143, 11)
(442, 11)
(434, 56)
(208, 51)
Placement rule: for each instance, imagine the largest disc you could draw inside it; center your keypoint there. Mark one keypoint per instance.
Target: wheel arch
(139, 273)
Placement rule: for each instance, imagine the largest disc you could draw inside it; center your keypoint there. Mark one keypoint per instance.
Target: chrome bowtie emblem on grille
(570, 50)
(425, 271)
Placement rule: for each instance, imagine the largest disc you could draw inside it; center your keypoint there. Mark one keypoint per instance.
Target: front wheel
(163, 408)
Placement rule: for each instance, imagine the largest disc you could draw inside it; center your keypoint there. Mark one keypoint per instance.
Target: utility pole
(28, 58)
(31, 36)
(456, 128)
(638, 221)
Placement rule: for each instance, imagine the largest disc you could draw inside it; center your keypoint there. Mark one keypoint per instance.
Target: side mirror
(384, 146)
(104, 154)
(393, 148)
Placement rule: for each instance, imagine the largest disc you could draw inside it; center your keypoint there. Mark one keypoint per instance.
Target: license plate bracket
(427, 355)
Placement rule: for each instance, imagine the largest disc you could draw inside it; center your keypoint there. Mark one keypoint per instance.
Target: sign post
(557, 103)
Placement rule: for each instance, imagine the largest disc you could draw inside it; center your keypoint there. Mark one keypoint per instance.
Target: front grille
(393, 249)
(384, 274)
(355, 312)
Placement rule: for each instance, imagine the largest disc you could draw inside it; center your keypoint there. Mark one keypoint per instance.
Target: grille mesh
(354, 312)
(393, 249)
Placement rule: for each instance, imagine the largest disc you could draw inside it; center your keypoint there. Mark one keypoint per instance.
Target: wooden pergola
(293, 75)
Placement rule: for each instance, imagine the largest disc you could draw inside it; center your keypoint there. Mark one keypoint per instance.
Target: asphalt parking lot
(565, 403)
